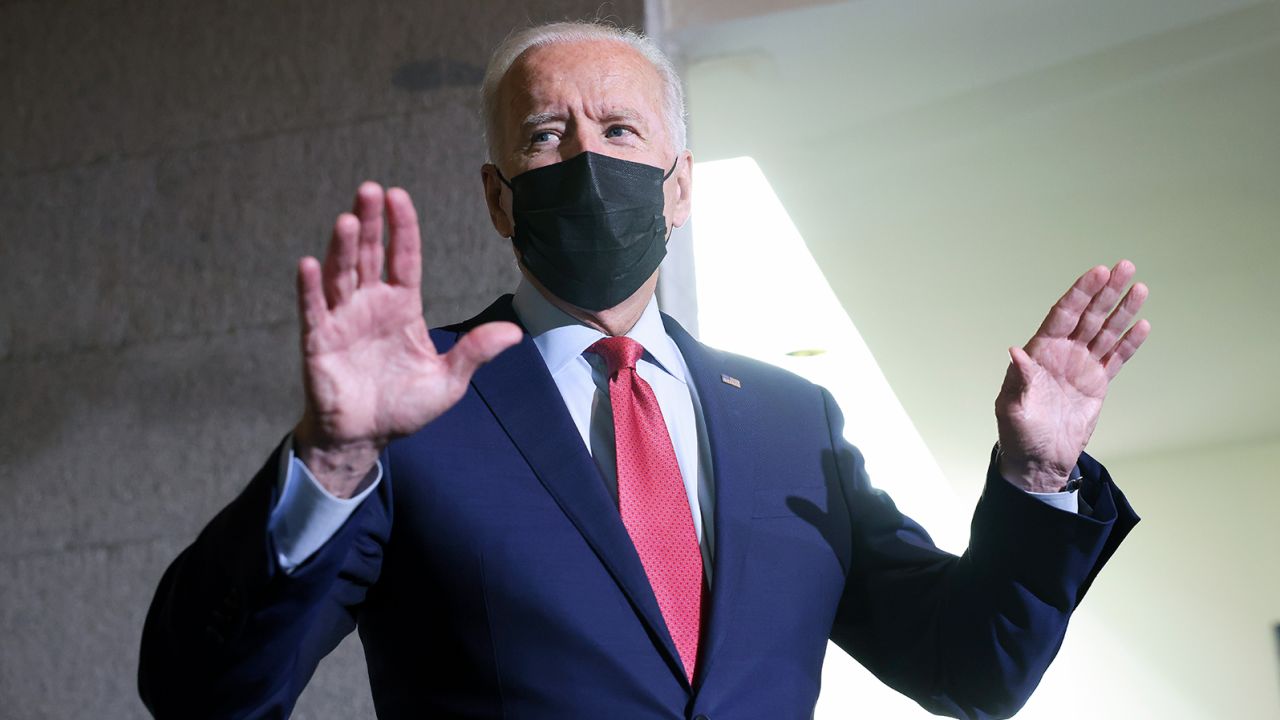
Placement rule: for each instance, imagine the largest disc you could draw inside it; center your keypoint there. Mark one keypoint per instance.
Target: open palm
(370, 370)
(1054, 388)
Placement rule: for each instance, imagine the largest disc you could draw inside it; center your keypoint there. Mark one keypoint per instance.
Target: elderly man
(567, 507)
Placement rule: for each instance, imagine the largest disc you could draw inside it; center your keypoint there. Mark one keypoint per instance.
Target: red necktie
(651, 497)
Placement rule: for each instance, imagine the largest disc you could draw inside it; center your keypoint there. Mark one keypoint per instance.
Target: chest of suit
(507, 558)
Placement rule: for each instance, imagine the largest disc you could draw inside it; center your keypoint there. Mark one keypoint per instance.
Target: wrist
(340, 467)
(1030, 475)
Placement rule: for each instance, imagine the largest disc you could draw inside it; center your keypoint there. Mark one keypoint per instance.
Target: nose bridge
(580, 136)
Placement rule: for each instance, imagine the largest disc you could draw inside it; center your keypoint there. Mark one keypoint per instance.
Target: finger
(1125, 349)
(1064, 316)
(311, 301)
(479, 346)
(368, 208)
(340, 261)
(405, 266)
(1119, 320)
(1103, 302)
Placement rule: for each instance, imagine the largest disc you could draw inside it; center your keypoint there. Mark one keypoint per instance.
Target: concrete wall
(162, 166)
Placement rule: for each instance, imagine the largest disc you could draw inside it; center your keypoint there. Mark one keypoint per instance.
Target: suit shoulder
(740, 367)
(445, 336)
(781, 383)
(766, 371)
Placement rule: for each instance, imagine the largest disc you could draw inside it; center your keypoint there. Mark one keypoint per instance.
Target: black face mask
(590, 228)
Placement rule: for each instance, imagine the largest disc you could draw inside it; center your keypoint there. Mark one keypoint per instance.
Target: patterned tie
(651, 497)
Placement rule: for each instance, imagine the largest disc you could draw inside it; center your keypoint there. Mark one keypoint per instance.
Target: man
(609, 518)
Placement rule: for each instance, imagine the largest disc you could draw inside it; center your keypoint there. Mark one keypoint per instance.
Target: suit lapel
(731, 437)
(519, 390)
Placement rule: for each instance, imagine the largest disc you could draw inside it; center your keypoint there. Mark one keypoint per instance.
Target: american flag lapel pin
(731, 381)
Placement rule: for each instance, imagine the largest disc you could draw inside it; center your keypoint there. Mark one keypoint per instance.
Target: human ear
(494, 197)
(683, 200)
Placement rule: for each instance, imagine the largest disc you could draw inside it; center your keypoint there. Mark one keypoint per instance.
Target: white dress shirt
(306, 515)
(583, 381)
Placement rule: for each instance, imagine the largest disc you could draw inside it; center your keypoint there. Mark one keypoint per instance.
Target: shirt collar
(561, 338)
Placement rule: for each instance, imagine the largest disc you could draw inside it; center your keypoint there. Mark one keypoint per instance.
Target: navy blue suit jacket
(490, 575)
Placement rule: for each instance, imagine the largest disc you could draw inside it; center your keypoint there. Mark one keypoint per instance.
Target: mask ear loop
(513, 192)
(664, 177)
(503, 178)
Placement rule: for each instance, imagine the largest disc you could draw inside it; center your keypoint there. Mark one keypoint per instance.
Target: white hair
(580, 31)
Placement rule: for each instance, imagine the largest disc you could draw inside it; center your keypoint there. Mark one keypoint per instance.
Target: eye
(618, 131)
(541, 137)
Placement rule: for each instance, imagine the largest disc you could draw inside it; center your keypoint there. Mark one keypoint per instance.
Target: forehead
(594, 76)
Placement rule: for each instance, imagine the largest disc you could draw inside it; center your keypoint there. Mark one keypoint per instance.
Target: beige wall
(951, 167)
(1180, 624)
(1194, 595)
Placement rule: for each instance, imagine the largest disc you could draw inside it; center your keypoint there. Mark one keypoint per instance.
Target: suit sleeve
(230, 634)
(969, 636)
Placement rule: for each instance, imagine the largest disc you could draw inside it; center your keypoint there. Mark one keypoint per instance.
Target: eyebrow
(541, 118)
(622, 113)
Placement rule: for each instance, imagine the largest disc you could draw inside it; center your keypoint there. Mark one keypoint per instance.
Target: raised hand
(1053, 391)
(370, 370)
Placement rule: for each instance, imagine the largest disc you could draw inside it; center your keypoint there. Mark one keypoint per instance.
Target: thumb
(1021, 370)
(481, 345)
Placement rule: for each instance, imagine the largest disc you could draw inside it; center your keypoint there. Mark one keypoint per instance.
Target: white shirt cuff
(307, 515)
(1065, 501)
